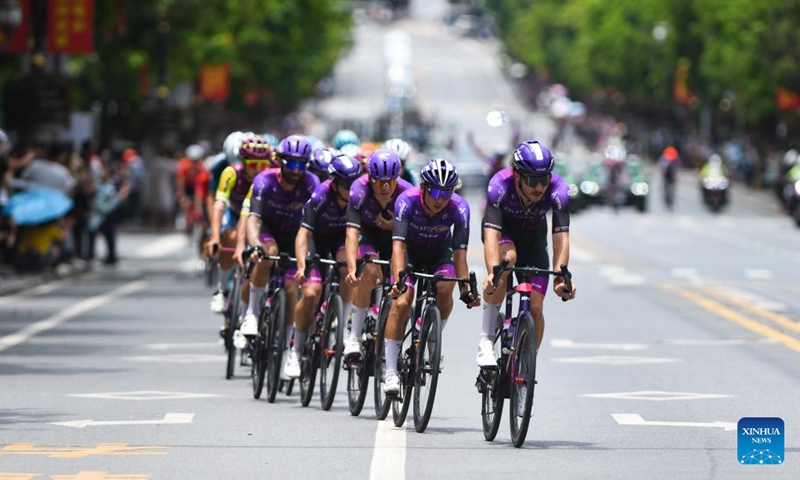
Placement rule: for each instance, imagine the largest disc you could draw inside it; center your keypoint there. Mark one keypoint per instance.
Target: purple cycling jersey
(280, 209)
(322, 214)
(505, 211)
(363, 208)
(415, 227)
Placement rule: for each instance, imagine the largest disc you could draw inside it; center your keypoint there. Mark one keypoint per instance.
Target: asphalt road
(685, 322)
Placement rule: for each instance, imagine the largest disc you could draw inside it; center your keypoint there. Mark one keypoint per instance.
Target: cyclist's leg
(258, 284)
(395, 329)
(492, 303)
(345, 289)
(534, 254)
(370, 276)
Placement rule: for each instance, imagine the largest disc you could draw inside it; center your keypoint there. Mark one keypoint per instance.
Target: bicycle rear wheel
(357, 382)
(308, 373)
(330, 352)
(427, 371)
(382, 403)
(494, 391)
(258, 369)
(405, 367)
(275, 343)
(231, 320)
(522, 379)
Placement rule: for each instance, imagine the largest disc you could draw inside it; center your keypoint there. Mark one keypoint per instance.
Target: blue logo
(761, 441)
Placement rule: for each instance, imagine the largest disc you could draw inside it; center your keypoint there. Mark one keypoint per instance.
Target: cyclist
(277, 200)
(403, 150)
(370, 212)
(191, 183)
(515, 228)
(669, 163)
(233, 188)
(318, 164)
(344, 137)
(322, 233)
(430, 232)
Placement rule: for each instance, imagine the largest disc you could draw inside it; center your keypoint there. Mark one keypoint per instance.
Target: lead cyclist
(515, 228)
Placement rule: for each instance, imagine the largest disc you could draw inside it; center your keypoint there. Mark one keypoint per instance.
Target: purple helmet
(345, 168)
(532, 158)
(439, 173)
(296, 146)
(384, 165)
(320, 159)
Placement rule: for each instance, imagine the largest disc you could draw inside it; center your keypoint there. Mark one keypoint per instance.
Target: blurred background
(100, 99)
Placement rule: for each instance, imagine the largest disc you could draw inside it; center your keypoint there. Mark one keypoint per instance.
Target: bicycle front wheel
(231, 320)
(405, 368)
(331, 348)
(494, 391)
(522, 379)
(258, 370)
(382, 403)
(427, 371)
(308, 373)
(275, 343)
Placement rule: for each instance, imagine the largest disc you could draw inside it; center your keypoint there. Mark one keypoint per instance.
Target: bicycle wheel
(357, 382)
(308, 372)
(331, 348)
(405, 368)
(382, 403)
(427, 372)
(258, 369)
(494, 394)
(275, 343)
(232, 316)
(522, 379)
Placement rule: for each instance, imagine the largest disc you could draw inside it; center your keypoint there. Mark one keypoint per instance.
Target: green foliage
(737, 48)
(279, 46)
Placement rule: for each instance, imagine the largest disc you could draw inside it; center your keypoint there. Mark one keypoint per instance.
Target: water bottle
(418, 324)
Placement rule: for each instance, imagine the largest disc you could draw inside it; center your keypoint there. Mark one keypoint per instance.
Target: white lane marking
(567, 343)
(581, 255)
(636, 419)
(179, 346)
(718, 342)
(178, 358)
(389, 455)
(656, 395)
(169, 419)
(35, 291)
(144, 395)
(163, 246)
(617, 275)
(758, 274)
(615, 360)
(69, 313)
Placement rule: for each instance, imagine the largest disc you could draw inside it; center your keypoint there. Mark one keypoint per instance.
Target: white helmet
(231, 146)
(398, 146)
(195, 152)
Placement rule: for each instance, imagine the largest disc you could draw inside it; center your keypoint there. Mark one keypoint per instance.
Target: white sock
(490, 311)
(392, 351)
(253, 305)
(289, 334)
(359, 315)
(346, 308)
(222, 277)
(299, 340)
(444, 324)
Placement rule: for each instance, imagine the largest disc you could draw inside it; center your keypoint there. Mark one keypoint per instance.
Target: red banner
(786, 100)
(19, 40)
(70, 26)
(214, 82)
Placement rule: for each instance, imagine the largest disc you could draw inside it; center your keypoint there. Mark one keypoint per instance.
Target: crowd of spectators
(97, 190)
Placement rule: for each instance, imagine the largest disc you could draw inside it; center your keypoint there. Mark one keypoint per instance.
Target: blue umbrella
(37, 206)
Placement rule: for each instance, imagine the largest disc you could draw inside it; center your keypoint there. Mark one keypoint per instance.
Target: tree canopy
(735, 49)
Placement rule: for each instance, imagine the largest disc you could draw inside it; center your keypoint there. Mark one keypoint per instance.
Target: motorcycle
(715, 192)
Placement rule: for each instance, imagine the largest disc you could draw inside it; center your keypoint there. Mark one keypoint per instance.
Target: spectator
(30, 171)
(42, 247)
(82, 209)
(136, 175)
(105, 214)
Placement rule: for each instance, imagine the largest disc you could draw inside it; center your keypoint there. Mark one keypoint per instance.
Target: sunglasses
(294, 164)
(534, 180)
(438, 193)
(256, 165)
(384, 183)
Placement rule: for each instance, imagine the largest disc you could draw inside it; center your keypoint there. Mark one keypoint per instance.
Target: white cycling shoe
(249, 325)
(486, 356)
